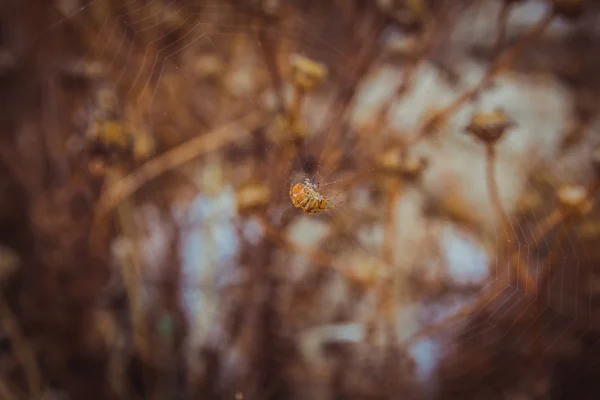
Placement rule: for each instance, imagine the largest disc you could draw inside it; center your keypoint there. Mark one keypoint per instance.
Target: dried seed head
(97, 167)
(110, 135)
(282, 130)
(408, 165)
(143, 147)
(389, 160)
(413, 166)
(574, 199)
(253, 196)
(209, 66)
(489, 127)
(306, 73)
(409, 14)
(406, 47)
(570, 9)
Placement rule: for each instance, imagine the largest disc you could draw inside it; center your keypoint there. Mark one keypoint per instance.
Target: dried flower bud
(282, 130)
(408, 165)
(571, 9)
(253, 196)
(408, 14)
(412, 166)
(389, 160)
(109, 135)
(574, 199)
(209, 66)
(406, 47)
(97, 167)
(489, 127)
(143, 147)
(306, 73)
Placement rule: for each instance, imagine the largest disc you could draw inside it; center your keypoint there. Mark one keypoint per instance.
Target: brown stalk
(554, 219)
(389, 289)
(22, 350)
(6, 392)
(296, 108)
(501, 63)
(557, 216)
(269, 50)
(132, 272)
(546, 273)
(333, 126)
(319, 258)
(494, 192)
(175, 157)
(520, 265)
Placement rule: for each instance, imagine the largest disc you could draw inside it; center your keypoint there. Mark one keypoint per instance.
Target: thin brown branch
(269, 50)
(500, 64)
(494, 192)
(132, 272)
(496, 288)
(6, 392)
(502, 25)
(22, 350)
(319, 258)
(333, 127)
(205, 143)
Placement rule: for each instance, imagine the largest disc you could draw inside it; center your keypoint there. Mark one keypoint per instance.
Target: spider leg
(336, 195)
(304, 202)
(334, 205)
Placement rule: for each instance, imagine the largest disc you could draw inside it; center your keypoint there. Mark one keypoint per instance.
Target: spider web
(552, 315)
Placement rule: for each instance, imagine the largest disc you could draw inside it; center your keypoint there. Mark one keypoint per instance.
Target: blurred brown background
(149, 248)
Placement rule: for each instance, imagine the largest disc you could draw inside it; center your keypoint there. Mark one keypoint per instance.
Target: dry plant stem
(132, 273)
(492, 185)
(319, 258)
(205, 143)
(408, 75)
(501, 63)
(22, 350)
(333, 127)
(502, 25)
(558, 215)
(495, 290)
(546, 273)
(296, 109)
(268, 53)
(116, 368)
(431, 42)
(389, 289)
(494, 192)
(439, 30)
(6, 392)
(551, 222)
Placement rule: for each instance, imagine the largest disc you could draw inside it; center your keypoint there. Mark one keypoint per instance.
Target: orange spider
(307, 196)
